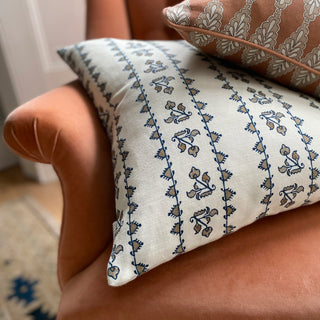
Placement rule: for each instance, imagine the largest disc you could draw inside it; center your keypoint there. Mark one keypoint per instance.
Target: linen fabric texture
(200, 149)
(276, 38)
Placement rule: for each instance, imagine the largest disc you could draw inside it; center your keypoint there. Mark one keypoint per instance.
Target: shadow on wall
(7, 103)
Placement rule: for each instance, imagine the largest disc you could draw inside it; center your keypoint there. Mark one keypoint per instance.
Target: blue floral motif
(23, 290)
(155, 66)
(213, 136)
(132, 206)
(113, 270)
(143, 52)
(117, 225)
(116, 182)
(202, 218)
(177, 112)
(291, 163)
(251, 127)
(305, 138)
(174, 134)
(25, 293)
(168, 174)
(40, 314)
(239, 76)
(133, 45)
(104, 114)
(185, 139)
(289, 193)
(311, 102)
(273, 119)
(201, 188)
(259, 97)
(162, 83)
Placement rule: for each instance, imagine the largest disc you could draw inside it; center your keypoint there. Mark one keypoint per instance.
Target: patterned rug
(28, 250)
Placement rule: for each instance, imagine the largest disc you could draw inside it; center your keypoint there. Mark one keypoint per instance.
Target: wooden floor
(13, 184)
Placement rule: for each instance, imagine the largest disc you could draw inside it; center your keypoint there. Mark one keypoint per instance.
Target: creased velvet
(72, 139)
(268, 270)
(106, 18)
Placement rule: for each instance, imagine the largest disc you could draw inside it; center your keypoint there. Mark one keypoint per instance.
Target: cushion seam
(242, 41)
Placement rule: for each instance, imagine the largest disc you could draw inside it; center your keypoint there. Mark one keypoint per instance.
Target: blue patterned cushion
(199, 149)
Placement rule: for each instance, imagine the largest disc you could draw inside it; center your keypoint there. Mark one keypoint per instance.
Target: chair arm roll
(61, 127)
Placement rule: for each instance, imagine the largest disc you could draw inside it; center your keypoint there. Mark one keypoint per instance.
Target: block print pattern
(200, 149)
(213, 139)
(285, 52)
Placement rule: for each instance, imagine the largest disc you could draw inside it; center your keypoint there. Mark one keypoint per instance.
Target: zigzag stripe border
(229, 209)
(143, 98)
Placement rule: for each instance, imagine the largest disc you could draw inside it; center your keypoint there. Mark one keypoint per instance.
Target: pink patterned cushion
(276, 38)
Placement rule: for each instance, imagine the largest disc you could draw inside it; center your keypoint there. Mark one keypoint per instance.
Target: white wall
(30, 33)
(7, 102)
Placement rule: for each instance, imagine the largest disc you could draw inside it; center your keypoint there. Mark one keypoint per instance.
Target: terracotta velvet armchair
(268, 270)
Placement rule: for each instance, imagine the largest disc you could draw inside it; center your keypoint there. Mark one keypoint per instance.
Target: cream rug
(28, 249)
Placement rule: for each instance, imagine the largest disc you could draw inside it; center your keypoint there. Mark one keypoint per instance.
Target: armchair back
(137, 19)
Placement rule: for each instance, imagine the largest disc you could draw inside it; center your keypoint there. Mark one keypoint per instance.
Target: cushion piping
(242, 41)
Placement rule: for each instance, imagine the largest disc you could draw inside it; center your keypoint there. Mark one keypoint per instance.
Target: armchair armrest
(61, 128)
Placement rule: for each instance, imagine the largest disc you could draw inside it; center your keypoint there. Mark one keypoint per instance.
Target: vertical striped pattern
(200, 149)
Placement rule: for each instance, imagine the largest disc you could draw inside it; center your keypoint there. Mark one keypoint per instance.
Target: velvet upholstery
(269, 270)
(277, 39)
(107, 18)
(57, 128)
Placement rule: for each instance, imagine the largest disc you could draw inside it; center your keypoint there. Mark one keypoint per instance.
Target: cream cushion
(200, 149)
